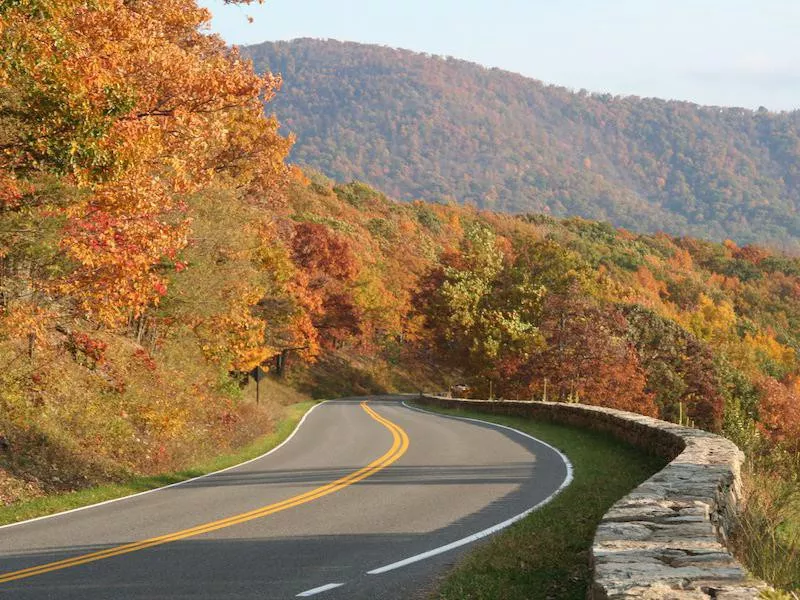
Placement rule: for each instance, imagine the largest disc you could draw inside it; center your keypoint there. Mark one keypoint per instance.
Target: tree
(587, 356)
(481, 311)
(134, 105)
(328, 268)
(680, 368)
(779, 411)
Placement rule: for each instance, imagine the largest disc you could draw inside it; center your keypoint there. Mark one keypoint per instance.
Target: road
(361, 487)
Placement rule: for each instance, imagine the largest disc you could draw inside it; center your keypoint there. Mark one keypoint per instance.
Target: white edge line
(177, 483)
(317, 590)
(494, 528)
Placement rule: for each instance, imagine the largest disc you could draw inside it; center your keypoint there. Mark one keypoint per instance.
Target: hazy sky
(726, 52)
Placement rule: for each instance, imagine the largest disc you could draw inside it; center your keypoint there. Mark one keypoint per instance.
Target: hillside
(419, 126)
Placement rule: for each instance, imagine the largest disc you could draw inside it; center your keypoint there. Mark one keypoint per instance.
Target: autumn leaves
(134, 106)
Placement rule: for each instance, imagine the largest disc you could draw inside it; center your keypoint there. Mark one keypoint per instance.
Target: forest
(155, 244)
(444, 130)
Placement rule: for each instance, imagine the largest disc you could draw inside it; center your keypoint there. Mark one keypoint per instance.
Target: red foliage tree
(588, 357)
(779, 410)
(328, 269)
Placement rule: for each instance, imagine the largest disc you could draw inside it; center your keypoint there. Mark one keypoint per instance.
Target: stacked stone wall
(668, 537)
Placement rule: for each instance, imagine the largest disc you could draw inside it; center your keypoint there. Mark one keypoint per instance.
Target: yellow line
(399, 446)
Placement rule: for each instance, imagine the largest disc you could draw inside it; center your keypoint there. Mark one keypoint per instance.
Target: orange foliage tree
(134, 104)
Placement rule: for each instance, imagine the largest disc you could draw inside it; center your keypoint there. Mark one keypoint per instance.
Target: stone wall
(666, 539)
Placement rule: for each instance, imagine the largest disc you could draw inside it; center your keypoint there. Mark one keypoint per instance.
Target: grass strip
(546, 555)
(55, 503)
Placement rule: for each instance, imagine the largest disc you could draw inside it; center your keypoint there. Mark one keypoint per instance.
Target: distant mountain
(420, 126)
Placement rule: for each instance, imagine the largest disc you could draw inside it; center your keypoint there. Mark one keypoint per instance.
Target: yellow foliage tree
(713, 322)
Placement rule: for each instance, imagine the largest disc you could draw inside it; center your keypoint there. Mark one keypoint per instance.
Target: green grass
(60, 502)
(546, 555)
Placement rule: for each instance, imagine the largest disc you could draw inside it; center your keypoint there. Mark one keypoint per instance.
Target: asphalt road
(356, 489)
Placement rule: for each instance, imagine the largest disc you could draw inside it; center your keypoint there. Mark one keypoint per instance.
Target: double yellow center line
(398, 448)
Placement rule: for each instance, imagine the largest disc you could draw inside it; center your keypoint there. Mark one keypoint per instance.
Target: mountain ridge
(518, 74)
(444, 129)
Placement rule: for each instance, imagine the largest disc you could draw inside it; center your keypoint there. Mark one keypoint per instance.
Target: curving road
(367, 500)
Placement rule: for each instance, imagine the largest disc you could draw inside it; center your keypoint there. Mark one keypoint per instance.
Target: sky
(719, 52)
